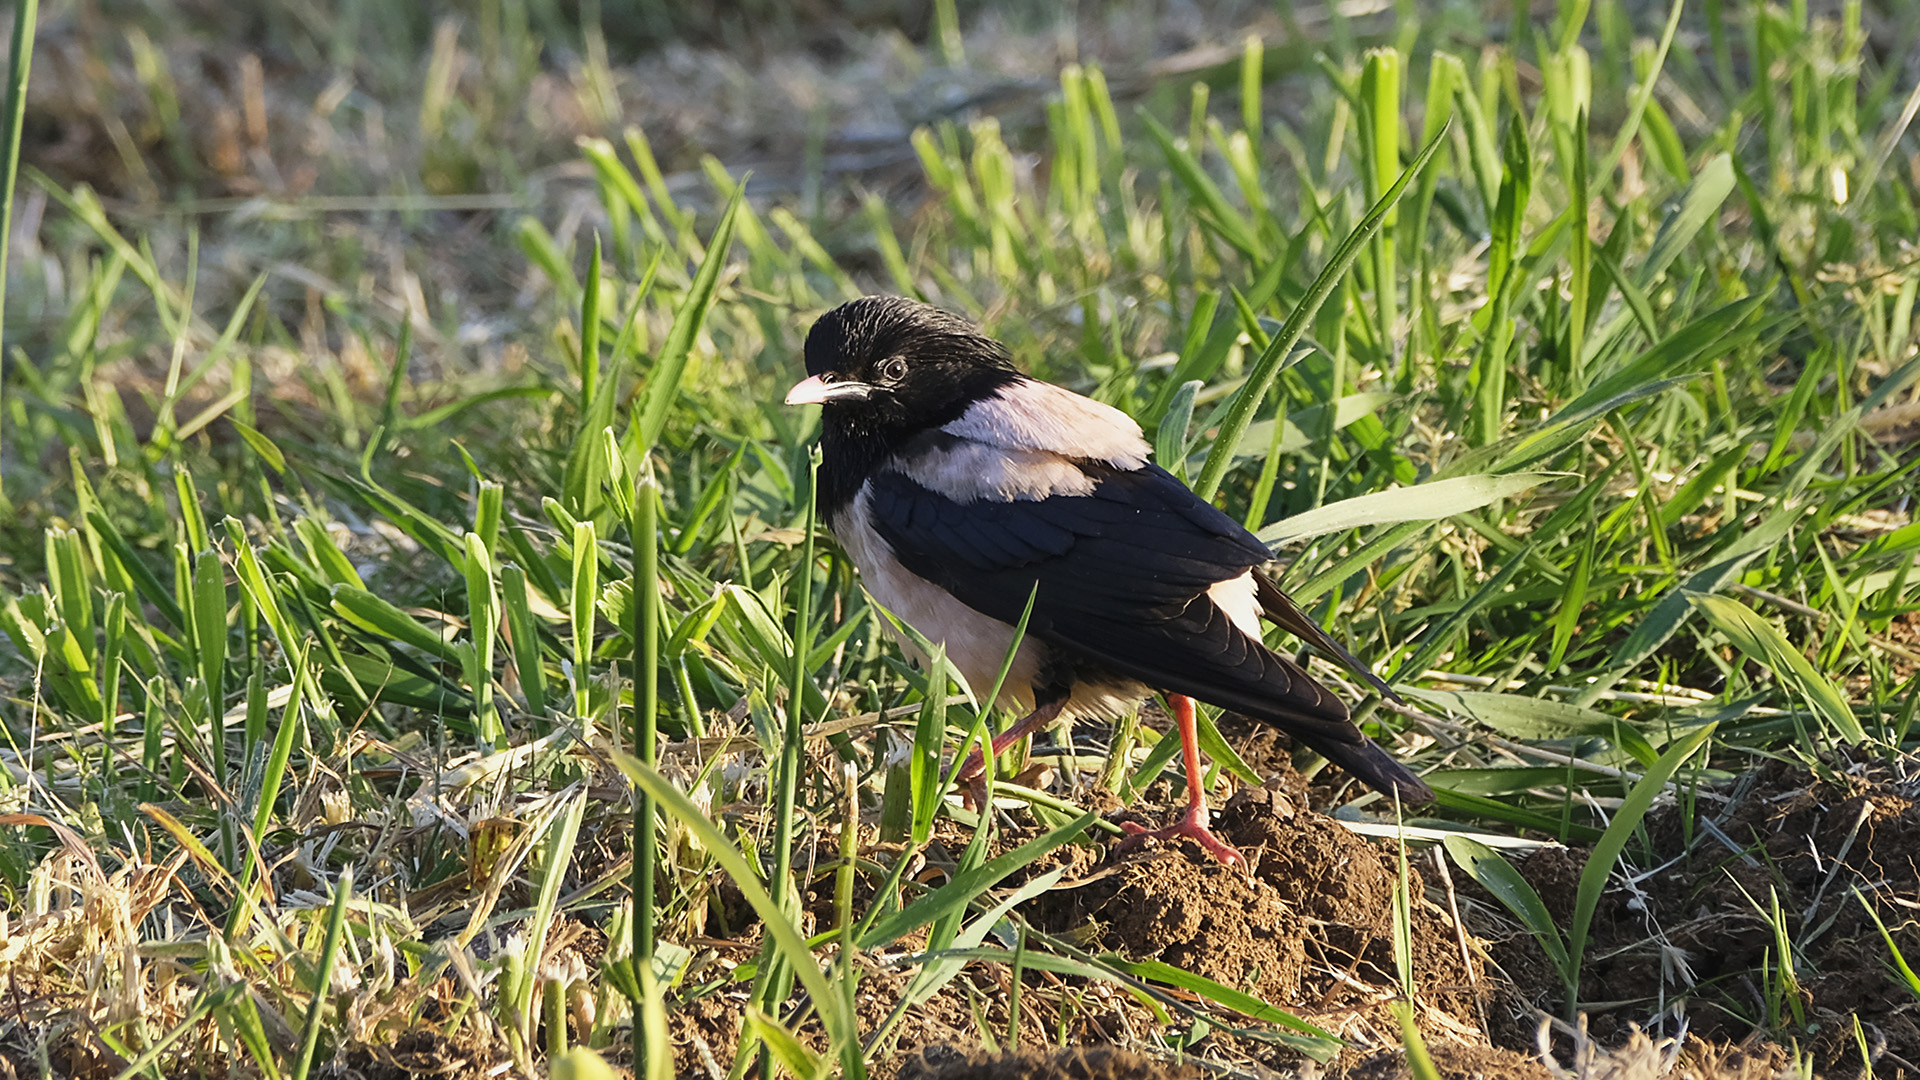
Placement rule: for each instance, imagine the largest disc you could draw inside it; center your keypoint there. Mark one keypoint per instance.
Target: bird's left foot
(973, 793)
(1193, 825)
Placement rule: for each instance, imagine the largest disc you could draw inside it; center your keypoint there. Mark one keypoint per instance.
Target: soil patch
(1091, 1063)
(1454, 1061)
(1693, 930)
(1307, 928)
(422, 1052)
(1311, 925)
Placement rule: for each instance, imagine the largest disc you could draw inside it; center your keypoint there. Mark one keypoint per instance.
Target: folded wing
(1121, 575)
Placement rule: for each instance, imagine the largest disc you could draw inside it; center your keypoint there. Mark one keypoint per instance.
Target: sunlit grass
(322, 691)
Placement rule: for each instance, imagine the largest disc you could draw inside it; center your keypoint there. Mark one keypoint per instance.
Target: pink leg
(969, 772)
(1193, 822)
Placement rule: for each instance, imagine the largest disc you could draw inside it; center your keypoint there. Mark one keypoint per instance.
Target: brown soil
(1456, 1062)
(1904, 630)
(1310, 927)
(1696, 934)
(1093, 1063)
(1307, 927)
(423, 1052)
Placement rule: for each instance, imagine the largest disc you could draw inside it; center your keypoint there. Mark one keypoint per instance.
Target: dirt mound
(1307, 927)
(1189, 911)
(1784, 855)
(1310, 927)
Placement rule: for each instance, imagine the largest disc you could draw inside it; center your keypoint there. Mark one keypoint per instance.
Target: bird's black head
(889, 364)
(885, 369)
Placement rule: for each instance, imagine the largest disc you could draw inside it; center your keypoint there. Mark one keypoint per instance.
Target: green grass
(323, 646)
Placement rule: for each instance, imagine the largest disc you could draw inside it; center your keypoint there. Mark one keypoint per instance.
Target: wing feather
(1122, 577)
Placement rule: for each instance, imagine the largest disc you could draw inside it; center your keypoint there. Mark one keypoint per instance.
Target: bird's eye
(894, 370)
(829, 376)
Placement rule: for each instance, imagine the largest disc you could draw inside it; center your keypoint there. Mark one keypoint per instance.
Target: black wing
(1122, 577)
(1284, 613)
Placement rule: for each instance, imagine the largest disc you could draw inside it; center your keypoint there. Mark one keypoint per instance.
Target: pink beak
(814, 390)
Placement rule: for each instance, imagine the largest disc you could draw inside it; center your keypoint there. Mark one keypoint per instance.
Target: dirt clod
(944, 1062)
(1306, 927)
(1201, 916)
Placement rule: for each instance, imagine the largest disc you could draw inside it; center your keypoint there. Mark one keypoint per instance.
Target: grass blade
(323, 975)
(562, 831)
(644, 533)
(1762, 642)
(26, 21)
(963, 887)
(1238, 1000)
(377, 615)
(1897, 960)
(1626, 820)
(1697, 209)
(1246, 402)
(483, 625)
(1431, 501)
(663, 381)
(585, 597)
(1231, 225)
(834, 1013)
(1419, 1061)
(1496, 875)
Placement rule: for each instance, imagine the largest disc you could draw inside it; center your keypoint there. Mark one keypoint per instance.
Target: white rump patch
(1033, 415)
(1238, 598)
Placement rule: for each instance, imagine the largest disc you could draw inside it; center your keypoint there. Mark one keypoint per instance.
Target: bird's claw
(1192, 824)
(971, 779)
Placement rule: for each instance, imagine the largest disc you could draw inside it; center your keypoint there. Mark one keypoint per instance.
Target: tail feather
(1286, 614)
(1373, 767)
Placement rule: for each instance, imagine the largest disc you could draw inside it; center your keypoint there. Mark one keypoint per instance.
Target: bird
(963, 490)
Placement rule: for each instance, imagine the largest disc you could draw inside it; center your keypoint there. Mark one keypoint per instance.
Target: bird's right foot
(1191, 825)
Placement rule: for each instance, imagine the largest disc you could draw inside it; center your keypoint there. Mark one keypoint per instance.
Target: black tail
(1372, 766)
